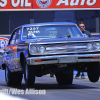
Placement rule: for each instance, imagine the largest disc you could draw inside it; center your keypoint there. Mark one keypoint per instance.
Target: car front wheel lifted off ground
(93, 71)
(29, 75)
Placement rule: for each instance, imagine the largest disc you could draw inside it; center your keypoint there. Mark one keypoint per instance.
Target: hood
(60, 40)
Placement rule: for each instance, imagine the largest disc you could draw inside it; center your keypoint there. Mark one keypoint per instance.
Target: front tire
(64, 78)
(29, 75)
(93, 71)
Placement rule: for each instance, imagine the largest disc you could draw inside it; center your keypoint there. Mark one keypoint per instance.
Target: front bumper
(58, 59)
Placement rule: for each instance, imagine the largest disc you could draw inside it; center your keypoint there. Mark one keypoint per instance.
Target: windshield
(51, 31)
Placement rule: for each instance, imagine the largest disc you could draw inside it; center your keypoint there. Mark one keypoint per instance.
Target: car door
(16, 57)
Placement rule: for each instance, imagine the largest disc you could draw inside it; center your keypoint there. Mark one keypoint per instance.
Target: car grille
(66, 48)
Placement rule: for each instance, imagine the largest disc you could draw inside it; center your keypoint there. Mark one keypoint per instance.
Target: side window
(18, 36)
(12, 41)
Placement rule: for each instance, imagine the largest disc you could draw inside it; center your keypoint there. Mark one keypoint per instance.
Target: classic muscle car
(50, 48)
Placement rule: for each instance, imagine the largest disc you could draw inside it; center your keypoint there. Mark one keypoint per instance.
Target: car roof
(50, 23)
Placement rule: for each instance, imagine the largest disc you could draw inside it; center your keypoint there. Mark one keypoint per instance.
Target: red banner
(49, 5)
(69, 4)
(15, 4)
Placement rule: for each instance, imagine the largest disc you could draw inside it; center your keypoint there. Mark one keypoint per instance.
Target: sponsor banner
(49, 4)
(15, 4)
(66, 4)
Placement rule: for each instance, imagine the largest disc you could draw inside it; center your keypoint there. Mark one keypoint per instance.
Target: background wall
(11, 20)
(88, 17)
(4, 23)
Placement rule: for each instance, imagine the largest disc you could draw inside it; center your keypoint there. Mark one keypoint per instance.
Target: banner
(19, 5)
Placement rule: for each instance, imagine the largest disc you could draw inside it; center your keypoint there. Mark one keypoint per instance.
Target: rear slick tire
(29, 75)
(13, 78)
(64, 78)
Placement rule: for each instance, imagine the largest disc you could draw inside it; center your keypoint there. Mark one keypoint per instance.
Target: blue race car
(55, 48)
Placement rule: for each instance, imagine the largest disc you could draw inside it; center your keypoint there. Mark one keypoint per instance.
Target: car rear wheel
(93, 71)
(64, 78)
(29, 75)
(12, 78)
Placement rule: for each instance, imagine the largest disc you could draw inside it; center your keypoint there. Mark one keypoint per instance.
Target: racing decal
(3, 42)
(13, 48)
(12, 59)
(16, 63)
(32, 30)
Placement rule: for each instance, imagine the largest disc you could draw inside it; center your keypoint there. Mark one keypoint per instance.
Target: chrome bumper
(62, 59)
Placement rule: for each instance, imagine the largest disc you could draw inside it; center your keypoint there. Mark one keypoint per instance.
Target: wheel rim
(6, 74)
(26, 72)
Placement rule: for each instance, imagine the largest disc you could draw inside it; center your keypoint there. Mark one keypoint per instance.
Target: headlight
(89, 46)
(33, 49)
(42, 49)
(97, 45)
